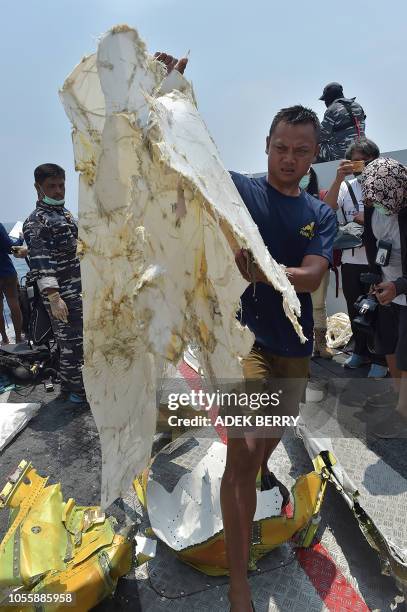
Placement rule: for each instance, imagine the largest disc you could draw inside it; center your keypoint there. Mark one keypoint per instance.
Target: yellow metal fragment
(209, 557)
(57, 547)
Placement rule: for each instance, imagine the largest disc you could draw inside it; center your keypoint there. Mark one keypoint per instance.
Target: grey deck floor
(62, 442)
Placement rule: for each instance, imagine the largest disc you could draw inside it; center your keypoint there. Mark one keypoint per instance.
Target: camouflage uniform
(51, 235)
(339, 129)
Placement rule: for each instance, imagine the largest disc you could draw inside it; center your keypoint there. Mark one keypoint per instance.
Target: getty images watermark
(245, 402)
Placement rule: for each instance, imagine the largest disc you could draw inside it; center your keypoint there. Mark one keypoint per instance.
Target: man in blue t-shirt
(298, 230)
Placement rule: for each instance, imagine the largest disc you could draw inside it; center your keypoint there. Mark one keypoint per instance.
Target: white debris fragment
(13, 418)
(190, 513)
(160, 219)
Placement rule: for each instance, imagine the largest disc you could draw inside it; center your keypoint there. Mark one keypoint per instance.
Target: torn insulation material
(159, 219)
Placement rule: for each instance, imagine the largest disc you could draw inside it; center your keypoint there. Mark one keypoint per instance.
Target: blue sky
(247, 60)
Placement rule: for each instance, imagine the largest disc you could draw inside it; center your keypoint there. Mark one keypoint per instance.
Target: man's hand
(170, 62)
(19, 251)
(331, 197)
(385, 292)
(58, 307)
(345, 167)
(248, 267)
(359, 218)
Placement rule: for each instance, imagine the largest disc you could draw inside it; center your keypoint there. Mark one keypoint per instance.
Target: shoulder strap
(352, 195)
(344, 216)
(353, 118)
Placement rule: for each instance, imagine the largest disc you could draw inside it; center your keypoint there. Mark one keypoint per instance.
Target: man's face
(53, 187)
(291, 150)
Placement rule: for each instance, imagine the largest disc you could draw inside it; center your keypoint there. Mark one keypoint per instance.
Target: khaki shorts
(274, 387)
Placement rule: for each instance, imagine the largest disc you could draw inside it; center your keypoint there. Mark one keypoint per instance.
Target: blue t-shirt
(291, 227)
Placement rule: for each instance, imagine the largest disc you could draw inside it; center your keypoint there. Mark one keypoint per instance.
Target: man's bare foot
(240, 598)
(4, 341)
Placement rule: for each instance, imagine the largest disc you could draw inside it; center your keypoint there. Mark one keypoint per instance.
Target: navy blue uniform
(6, 265)
(343, 123)
(51, 235)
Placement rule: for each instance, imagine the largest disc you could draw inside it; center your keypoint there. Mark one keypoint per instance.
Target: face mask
(51, 201)
(304, 182)
(381, 209)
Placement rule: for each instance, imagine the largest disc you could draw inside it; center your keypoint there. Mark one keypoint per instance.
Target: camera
(366, 306)
(369, 278)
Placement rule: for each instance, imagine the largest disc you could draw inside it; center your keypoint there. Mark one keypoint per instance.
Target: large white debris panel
(160, 219)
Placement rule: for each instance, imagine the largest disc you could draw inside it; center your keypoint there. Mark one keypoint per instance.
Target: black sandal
(269, 481)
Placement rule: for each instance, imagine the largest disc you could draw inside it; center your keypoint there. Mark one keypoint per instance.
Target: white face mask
(381, 209)
(305, 181)
(52, 201)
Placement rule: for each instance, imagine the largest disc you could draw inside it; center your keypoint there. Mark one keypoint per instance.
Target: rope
(339, 330)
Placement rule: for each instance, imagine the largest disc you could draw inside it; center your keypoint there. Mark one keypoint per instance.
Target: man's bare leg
(10, 291)
(238, 501)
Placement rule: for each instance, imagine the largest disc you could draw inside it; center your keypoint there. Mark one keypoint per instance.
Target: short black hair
(46, 170)
(313, 186)
(365, 146)
(296, 115)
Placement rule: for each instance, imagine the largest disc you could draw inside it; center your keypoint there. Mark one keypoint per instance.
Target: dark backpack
(39, 328)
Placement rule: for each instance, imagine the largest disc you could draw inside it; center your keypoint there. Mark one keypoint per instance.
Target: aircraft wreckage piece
(13, 418)
(159, 220)
(181, 492)
(393, 558)
(57, 547)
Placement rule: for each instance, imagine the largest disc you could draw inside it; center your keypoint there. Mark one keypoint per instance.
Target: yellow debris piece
(209, 557)
(56, 547)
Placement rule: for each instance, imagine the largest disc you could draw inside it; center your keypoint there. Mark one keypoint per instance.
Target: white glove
(58, 307)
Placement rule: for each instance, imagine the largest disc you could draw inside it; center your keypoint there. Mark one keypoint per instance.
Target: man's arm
(327, 125)
(387, 291)
(305, 279)
(331, 198)
(308, 277)
(326, 140)
(39, 241)
(7, 243)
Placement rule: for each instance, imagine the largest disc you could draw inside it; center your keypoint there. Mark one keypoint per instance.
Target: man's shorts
(273, 388)
(9, 285)
(391, 333)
